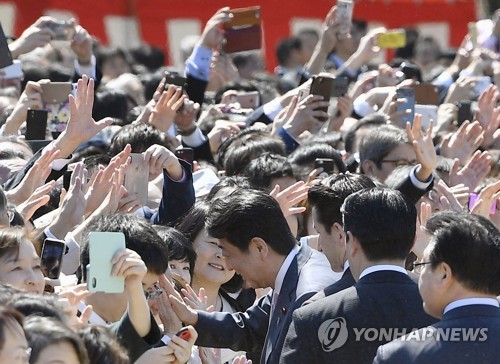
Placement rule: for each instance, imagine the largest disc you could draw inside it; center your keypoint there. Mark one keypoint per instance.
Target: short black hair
(470, 245)
(370, 121)
(304, 157)
(232, 182)
(328, 196)
(179, 247)
(139, 237)
(383, 220)
(285, 48)
(243, 215)
(140, 137)
(37, 305)
(102, 345)
(194, 221)
(263, 169)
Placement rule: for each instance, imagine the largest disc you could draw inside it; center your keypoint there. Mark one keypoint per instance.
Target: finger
(275, 191)
(87, 312)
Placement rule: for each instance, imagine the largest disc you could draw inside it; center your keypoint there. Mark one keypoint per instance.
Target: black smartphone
(5, 55)
(36, 124)
(176, 80)
(67, 179)
(327, 164)
(186, 154)
(464, 112)
(322, 86)
(52, 255)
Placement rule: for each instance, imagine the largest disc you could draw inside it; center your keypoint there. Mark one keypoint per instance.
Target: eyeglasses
(151, 295)
(419, 266)
(399, 162)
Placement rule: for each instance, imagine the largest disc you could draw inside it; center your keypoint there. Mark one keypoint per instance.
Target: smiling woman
(19, 262)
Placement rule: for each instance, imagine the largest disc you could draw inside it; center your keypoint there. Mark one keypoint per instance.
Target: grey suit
(421, 347)
(254, 329)
(328, 330)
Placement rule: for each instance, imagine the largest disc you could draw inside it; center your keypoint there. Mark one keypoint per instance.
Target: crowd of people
(290, 228)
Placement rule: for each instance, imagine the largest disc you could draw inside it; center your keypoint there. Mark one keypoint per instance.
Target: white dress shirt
(382, 267)
(280, 277)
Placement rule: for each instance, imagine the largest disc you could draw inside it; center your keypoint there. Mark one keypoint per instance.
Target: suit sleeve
(258, 116)
(241, 331)
(295, 349)
(177, 197)
(408, 188)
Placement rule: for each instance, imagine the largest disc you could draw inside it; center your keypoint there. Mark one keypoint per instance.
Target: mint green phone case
(102, 248)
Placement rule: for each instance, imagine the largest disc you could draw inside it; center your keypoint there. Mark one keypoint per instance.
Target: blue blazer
(482, 320)
(255, 329)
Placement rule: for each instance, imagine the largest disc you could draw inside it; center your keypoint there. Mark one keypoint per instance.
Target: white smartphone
(429, 113)
(344, 15)
(15, 70)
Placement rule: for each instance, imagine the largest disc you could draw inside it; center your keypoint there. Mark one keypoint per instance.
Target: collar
(278, 283)
(471, 301)
(346, 265)
(382, 267)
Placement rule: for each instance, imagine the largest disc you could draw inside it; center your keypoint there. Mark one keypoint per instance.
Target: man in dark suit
(326, 200)
(350, 325)
(459, 283)
(257, 243)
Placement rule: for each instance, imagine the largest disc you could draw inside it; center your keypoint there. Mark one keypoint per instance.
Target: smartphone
(248, 100)
(344, 15)
(175, 79)
(63, 30)
(429, 113)
(36, 124)
(179, 282)
(473, 198)
(102, 248)
(186, 154)
(15, 70)
(5, 55)
(327, 164)
(52, 255)
(340, 86)
(407, 93)
(464, 112)
(426, 94)
(56, 92)
(183, 334)
(67, 179)
(322, 85)
(244, 31)
(137, 177)
(392, 39)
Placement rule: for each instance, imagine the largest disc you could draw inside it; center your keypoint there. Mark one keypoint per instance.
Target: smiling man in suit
(459, 283)
(346, 327)
(257, 243)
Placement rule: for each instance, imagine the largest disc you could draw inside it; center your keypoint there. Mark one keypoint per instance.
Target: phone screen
(52, 254)
(409, 95)
(327, 164)
(5, 55)
(36, 124)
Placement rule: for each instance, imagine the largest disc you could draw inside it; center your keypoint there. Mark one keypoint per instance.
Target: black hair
(93, 162)
(241, 85)
(149, 56)
(102, 345)
(140, 137)
(104, 54)
(244, 215)
(139, 237)
(179, 247)
(383, 221)
(285, 47)
(42, 332)
(369, 121)
(8, 316)
(110, 103)
(470, 245)
(328, 196)
(229, 183)
(37, 305)
(263, 169)
(194, 221)
(303, 158)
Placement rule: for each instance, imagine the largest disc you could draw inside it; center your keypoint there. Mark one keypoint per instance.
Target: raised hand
(163, 114)
(31, 98)
(488, 115)
(462, 143)
(474, 171)
(159, 158)
(460, 90)
(422, 237)
(213, 35)
(196, 301)
(82, 44)
(38, 198)
(306, 116)
(36, 35)
(486, 198)
(289, 197)
(222, 130)
(423, 146)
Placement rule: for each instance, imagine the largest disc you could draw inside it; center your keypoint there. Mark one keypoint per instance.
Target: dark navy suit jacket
(255, 328)
(432, 349)
(382, 299)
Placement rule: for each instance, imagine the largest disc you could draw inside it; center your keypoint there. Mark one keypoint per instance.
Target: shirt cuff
(195, 139)
(290, 143)
(444, 79)
(198, 64)
(272, 109)
(86, 70)
(419, 184)
(57, 164)
(182, 180)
